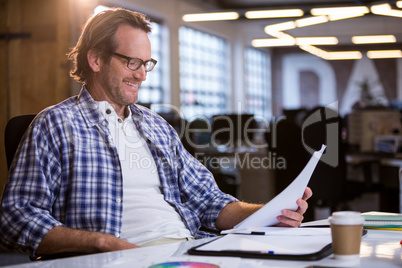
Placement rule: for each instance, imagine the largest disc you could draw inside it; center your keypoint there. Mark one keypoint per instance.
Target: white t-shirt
(146, 214)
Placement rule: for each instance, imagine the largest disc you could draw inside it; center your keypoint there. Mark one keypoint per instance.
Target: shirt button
(119, 120)
(104, 123)
(118, 200)
(117, 235)
(108, 111)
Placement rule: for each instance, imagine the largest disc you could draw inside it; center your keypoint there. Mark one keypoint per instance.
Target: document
(267, 215)
(279, 231)
(268, 245)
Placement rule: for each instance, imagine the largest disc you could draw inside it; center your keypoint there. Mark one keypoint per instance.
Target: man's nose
(140, 74)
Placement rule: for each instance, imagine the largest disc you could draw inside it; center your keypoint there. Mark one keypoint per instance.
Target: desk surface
(378, 249)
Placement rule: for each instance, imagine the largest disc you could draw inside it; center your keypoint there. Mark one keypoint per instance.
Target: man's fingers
(303, 206)
(307, 193)
(290, 220)
(295, 218)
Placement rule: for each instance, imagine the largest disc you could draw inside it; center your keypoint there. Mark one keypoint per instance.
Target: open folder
(253, 238)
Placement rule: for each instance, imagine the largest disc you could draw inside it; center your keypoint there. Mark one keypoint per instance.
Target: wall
(34, 69)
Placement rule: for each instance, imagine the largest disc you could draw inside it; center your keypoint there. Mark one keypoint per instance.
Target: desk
(378, 249)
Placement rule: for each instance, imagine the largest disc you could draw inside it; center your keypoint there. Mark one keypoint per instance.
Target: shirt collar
(90, 109)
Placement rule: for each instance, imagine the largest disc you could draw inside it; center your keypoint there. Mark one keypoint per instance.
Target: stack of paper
(382, 220)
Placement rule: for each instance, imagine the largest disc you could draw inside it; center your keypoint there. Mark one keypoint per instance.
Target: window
(151, 90)
(203, 73)
(258, 92)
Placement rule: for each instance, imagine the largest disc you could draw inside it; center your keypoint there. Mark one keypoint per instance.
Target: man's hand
(235, 212)
(291, 218)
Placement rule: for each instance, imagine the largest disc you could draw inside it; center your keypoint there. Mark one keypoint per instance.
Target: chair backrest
(15, 129)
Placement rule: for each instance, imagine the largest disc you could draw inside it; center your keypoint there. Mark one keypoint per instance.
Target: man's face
(115, 82)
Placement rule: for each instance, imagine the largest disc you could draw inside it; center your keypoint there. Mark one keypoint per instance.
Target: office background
(204, 68)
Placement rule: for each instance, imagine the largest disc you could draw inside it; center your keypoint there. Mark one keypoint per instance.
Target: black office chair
(15, 129)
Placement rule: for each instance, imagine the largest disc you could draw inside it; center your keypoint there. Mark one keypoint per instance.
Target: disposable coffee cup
(346, 232)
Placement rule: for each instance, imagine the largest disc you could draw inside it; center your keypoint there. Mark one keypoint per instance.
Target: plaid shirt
(67, 172)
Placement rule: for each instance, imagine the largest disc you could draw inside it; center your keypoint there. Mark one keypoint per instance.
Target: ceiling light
(399, 4)
(371, 39)
(333, 17)
(339, 10)
(334, 55)
(316, 41)
(382, 54)
(273, 42)
(386, 10)
(274, 28)
(340, 13)
(211, 16)
(311, 21)
(314, 50)
(344, 55)
(281, 35)
(283, 13)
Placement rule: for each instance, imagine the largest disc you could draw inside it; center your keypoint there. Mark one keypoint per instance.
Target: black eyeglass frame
(138, 59)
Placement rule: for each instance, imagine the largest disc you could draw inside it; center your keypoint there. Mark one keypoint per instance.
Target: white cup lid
(346, 218)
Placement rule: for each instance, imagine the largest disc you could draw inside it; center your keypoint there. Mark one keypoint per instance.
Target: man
(65, 189)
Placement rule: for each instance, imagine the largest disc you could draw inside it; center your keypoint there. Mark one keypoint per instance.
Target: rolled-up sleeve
(25, 215)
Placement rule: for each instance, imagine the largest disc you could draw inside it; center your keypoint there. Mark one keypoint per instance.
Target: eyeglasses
(135, 63)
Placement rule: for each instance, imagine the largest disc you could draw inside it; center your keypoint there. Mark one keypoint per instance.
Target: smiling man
(98, 172)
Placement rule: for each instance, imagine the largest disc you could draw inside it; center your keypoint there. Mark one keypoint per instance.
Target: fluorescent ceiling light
(314, 50)
(316, 41)
(372, 39)
(283, 13)
(211, 16)
(385, 10)
(273, 42)
(335, 55)
(311, 21)
(280, 27)
(339, 10)
(333, 17)
(281, 35)
(340, 13)
(383, 54)
(344, 55)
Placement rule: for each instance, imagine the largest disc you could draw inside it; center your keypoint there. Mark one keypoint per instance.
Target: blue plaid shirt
(67, 172)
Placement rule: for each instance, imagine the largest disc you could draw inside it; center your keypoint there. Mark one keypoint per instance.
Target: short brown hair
(98, 34)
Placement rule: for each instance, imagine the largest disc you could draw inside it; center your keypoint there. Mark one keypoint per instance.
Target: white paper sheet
(266, 216)
(268, 244)
(275, 231)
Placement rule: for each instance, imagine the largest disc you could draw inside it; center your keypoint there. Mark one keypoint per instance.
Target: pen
(252, 251)
(257, 233)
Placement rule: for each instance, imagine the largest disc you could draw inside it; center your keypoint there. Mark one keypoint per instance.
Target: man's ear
(94, 60)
